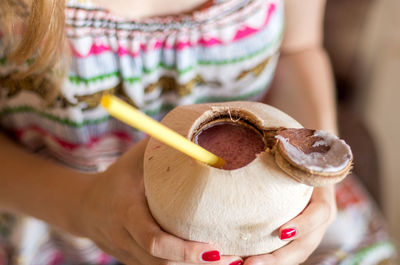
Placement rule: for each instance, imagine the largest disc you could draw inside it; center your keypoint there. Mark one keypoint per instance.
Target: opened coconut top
(310, 156)
(316, 151)
(305, 151)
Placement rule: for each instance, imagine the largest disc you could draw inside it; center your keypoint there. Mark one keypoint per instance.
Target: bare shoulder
(304, 20)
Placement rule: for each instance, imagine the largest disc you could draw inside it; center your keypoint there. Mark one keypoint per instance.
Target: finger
(144, 230)
(231, 260)
(295, 252)
(265, 259)
(317, 214)
(299, 250)
(145, 258)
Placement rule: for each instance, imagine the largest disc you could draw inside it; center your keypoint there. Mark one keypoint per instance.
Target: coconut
(238, 210)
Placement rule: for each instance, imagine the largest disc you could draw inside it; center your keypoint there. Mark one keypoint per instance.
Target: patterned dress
(227, 51)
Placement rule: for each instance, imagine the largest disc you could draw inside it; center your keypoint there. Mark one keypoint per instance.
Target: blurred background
(363, 40)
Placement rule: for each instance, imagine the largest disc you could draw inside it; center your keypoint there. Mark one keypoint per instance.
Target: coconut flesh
(239, 210)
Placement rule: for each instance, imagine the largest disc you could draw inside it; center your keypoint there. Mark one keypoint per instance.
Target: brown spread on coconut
(315, 151)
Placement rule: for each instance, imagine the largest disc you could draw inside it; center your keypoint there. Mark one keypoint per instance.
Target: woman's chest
(150, 8)
(223, 53)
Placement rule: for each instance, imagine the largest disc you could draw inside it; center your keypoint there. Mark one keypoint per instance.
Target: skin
(303, 87)
(110, 207)
(141, 9)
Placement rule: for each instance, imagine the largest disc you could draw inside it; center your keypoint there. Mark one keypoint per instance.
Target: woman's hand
(116, 217)
(305, 231)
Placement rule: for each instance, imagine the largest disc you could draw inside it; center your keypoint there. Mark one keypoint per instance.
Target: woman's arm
(38, 187)
(109, 207)
(303, 88)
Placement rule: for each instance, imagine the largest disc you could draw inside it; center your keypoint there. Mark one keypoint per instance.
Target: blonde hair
(42, 38)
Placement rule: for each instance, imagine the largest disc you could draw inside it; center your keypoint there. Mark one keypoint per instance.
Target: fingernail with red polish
(211, 256)
(238, 262)
(288, 233)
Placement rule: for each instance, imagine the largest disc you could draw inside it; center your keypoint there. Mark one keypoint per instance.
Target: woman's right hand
(116, 217)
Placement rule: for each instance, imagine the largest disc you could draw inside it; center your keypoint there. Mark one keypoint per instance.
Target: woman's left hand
(305, 231)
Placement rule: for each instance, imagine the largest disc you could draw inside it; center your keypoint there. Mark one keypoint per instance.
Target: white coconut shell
(239, 211)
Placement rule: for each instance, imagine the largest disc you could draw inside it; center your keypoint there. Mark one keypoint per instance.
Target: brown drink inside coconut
(235, 141)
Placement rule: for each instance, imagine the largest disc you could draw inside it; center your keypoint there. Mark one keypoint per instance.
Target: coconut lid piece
(313, 157)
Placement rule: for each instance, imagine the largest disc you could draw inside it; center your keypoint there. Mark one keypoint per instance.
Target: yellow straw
(128, 114)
